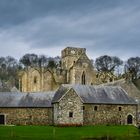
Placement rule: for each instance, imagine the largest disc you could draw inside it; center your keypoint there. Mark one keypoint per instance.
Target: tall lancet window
(83, 79)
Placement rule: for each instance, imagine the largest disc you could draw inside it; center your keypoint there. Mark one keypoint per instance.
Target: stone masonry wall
(74, 63)
(108, 114)
(27, 116)
(69, 55)
(76, 76)
(69, 103)
(24, 82)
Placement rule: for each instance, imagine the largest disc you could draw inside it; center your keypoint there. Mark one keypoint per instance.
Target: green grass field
(69, 133)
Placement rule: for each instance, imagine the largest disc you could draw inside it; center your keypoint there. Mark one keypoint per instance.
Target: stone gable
(69, 104)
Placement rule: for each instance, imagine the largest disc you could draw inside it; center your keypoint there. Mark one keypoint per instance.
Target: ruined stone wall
(27, 116)
(48, 81)
(68, 62)
(76, 76)
(29, 84)
(71, 72)
(108, 114)
(34, 86)
(70, 55)
(24, 82)
(69, 103)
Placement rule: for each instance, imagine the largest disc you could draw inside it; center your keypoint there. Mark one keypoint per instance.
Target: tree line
(9, 66)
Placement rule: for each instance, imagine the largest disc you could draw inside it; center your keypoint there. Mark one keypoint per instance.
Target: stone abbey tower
(76, 68)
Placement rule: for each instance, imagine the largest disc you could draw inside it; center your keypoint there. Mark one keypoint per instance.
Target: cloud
(48, 26)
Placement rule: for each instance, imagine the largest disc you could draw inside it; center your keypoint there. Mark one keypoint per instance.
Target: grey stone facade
(68, 105)
(108, 114)
(27, 116)
(94, 105)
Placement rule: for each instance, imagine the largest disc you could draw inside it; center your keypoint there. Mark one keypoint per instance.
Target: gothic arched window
(35, 80)
(83, 79)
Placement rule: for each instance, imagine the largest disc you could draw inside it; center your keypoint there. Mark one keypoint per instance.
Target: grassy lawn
(69, 133)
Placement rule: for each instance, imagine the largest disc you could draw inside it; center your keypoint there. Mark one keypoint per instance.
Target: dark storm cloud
(103, 27)
(13, 12)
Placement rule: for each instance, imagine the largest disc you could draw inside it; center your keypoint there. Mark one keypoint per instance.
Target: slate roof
(14, 89)
(15, 99)
(88, 94)
(128, 86)
(97, 94)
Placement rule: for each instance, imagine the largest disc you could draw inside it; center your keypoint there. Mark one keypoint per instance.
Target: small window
(120, 108)
(71, 114)
(95, 108)
(35, 80)
(74, 62)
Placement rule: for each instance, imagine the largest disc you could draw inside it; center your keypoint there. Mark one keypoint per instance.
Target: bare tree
(133, 67)
(107, 63)
(42, 61)
(29, 60)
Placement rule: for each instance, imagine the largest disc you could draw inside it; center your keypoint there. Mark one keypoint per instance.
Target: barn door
(129, 119)
(2, 119)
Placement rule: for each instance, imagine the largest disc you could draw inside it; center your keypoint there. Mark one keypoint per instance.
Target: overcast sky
(109, 27)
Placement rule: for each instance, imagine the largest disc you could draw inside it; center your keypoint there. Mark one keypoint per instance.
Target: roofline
(24, 107)
(79, 58)
(78, 95)
(62, 96)
(112, 103)
(66, 93)
(73, 47)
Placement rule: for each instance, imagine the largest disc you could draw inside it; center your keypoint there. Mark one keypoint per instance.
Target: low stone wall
(108, 114)
(27, 116)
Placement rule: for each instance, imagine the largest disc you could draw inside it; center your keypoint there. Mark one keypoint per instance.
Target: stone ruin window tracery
(83, 79)
(35, 79)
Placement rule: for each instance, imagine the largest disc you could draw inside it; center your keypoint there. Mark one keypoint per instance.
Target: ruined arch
(35, 81)
(48, 81)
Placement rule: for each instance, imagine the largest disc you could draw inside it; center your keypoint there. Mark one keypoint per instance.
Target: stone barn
(92, 105)
(69, 105)
(26, 108)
